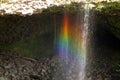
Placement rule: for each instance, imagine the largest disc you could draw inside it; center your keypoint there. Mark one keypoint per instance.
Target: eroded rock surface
(15, 67)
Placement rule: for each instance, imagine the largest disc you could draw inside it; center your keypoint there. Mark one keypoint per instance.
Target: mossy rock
(111, 14)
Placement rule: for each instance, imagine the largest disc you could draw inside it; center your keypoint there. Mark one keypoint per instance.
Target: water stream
(84, 42)
(72, 46)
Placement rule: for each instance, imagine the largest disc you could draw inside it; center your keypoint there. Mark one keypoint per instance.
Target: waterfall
(72, 47)
(84, 41)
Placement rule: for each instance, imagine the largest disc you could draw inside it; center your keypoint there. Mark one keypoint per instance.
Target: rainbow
(70, 40)
(63, 40)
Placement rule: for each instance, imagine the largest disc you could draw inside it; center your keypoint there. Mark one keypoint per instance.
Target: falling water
(84, 41)
(72, 46)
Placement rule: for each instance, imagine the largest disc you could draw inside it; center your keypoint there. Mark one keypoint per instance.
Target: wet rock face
(17, 68)
(24, 68)
(33, 30)
(108, 16)
(114, 21)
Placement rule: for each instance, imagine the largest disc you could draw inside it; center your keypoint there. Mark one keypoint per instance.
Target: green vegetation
(105, 7)
(118, 69)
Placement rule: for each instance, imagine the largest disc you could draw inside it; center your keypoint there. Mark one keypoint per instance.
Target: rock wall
(24, 68)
